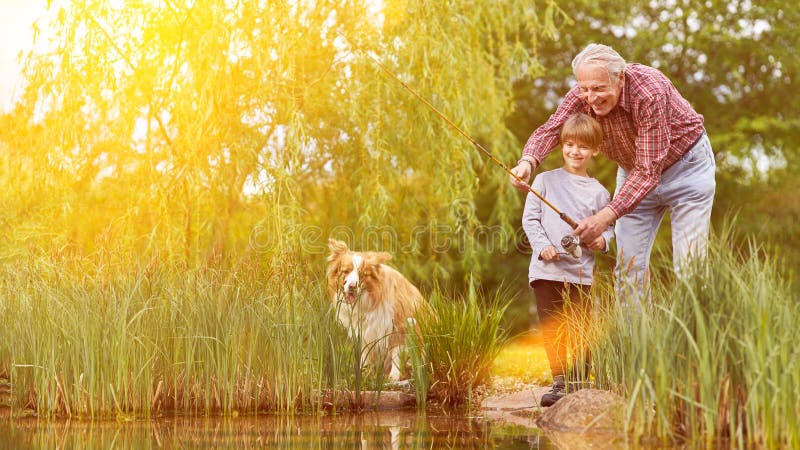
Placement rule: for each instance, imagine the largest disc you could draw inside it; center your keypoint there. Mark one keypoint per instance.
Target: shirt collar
(624, 101)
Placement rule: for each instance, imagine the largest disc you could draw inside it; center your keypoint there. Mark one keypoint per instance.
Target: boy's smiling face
(577, 156)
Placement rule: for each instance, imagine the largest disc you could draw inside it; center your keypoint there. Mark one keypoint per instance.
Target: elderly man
(664, 157)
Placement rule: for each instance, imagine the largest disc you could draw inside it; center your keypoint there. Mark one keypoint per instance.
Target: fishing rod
(477, 144)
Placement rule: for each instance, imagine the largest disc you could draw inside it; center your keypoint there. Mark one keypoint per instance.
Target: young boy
(555, 273)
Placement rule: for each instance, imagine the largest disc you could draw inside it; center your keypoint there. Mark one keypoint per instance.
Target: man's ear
(337, 248)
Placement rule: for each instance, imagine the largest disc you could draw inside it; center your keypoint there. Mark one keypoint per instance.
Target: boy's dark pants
(561, 324)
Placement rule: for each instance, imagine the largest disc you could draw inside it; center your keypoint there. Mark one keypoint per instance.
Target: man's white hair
(601, 55)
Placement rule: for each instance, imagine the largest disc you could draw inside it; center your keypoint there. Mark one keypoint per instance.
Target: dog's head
(352, 273)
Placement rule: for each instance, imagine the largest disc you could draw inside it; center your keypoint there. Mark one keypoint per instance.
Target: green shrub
(460, 338)
(713, 356)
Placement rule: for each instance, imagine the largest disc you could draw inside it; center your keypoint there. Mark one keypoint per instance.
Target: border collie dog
(374, 302)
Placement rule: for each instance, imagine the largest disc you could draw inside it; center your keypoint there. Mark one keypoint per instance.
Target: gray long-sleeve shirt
(576, 196)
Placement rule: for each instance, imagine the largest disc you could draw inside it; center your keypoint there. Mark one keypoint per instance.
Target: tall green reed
(146, 340)
(83, 339)
(713, 356)
(458, 338)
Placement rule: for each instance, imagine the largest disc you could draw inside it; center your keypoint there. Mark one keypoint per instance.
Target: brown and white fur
(374, 302)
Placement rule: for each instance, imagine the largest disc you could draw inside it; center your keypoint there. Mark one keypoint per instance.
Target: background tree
(211, 131)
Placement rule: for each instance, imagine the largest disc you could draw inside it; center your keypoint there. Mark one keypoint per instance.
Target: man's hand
(592, 227)
(523, 171)
(549, 253)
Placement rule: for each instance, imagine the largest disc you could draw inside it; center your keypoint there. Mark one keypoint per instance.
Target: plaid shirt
(651, 127)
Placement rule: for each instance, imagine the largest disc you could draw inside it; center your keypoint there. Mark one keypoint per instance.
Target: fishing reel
(572, 245)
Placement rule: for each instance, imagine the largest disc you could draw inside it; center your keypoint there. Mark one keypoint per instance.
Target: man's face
(598, 88)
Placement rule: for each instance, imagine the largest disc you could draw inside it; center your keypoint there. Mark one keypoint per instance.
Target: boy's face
(577, 156)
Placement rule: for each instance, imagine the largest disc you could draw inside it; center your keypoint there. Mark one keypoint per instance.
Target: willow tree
(190, 130)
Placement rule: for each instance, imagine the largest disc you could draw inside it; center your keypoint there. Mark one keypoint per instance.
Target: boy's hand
(598, 244)
(549, 254)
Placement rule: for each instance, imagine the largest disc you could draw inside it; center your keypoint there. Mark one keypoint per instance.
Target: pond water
(384, 430)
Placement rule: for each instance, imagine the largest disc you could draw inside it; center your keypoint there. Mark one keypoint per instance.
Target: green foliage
(209, 130)
(458, 340)
(150, 340)
(712, 357)
(419, 370)
(768, 211)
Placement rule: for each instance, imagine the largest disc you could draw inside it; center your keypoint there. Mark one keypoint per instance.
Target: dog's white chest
(369, 325)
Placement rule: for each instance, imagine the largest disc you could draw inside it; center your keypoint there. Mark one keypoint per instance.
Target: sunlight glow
(16, 37)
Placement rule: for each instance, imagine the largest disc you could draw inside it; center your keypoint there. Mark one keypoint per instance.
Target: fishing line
(477, 144)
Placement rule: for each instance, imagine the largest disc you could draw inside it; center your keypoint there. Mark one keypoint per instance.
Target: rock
(587, 410)
(518, 407)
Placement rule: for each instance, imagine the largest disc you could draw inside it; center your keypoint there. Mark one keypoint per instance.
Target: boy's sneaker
(556, 392)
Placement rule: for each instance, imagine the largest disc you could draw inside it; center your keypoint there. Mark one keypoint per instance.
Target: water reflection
(395, 430)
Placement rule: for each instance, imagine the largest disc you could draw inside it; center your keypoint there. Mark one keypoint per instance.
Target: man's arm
(544, 140)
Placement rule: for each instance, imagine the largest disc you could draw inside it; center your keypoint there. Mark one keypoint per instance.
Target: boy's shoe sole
(550, 398)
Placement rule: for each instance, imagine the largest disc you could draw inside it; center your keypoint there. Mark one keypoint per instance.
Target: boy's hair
(582, 128)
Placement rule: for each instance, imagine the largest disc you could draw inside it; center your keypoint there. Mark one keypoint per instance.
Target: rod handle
(569, 220)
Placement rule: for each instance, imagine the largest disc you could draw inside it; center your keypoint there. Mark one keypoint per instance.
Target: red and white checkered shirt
(651, 127)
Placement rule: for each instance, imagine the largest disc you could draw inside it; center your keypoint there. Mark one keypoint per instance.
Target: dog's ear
(337, 248)
(377, 258)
